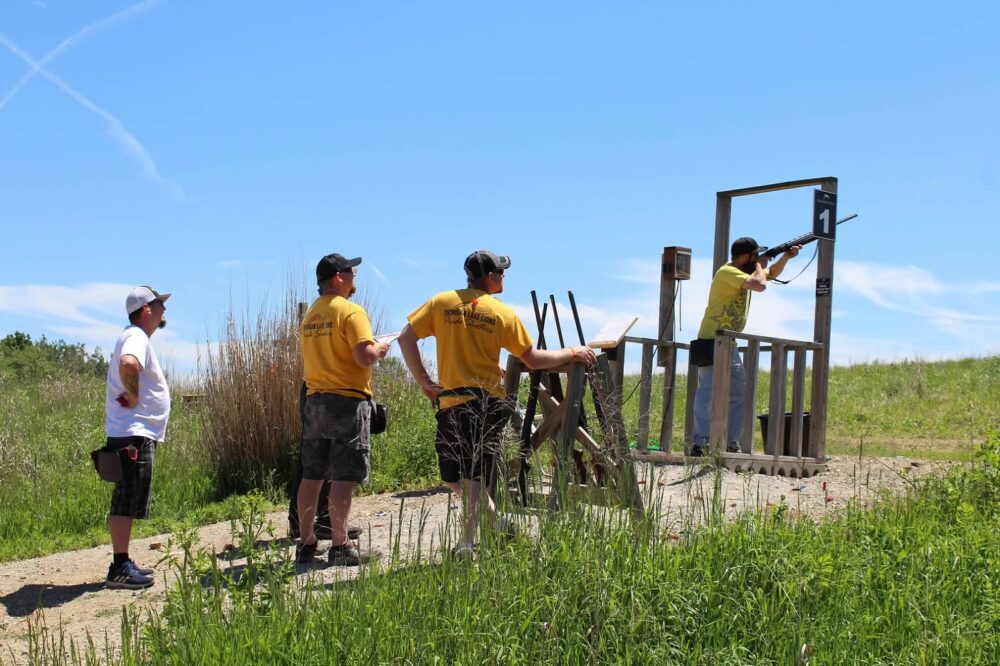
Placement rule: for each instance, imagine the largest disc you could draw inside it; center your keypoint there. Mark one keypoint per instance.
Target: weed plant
(913, 580)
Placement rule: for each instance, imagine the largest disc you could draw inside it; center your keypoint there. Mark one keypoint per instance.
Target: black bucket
(787, 448)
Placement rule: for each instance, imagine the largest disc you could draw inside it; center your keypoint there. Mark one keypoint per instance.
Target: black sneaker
(733, 447)
(126, 577)
(346, 555)
(697, 451)
(306, 552)
(143, 571)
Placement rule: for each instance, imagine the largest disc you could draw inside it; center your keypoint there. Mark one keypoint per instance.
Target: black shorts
(336, 440)
(133, 494)
(468, 438)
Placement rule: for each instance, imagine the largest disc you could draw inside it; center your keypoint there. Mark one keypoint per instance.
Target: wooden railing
(780, 349)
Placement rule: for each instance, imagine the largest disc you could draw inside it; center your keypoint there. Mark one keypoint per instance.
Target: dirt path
(67, 590)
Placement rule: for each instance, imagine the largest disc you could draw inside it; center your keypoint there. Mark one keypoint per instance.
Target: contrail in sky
(116, 127)
(71, 41)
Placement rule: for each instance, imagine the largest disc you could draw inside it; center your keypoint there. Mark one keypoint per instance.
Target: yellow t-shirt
(471, 327)
(331, 328)
(728, 302)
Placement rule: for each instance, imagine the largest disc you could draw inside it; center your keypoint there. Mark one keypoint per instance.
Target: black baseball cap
(332, 264)
(483, 262)
(744, 245)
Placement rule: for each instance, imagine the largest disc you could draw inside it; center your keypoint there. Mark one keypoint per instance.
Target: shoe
(306, 553)
(697, 451)
(464, 552)
(126, 577)
(346, 555)
(733, 447)
(143, 571)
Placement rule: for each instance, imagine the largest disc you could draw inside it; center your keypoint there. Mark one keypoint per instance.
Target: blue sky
(217, 150)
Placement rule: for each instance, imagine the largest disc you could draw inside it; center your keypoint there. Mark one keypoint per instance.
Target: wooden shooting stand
(613, 482)
(794, 445)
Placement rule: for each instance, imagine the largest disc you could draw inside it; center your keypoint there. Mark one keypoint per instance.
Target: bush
(22, 359)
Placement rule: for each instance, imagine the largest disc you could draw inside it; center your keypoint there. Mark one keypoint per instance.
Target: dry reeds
(252, 387)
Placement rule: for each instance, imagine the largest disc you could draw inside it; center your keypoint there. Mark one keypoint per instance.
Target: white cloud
(91, 314)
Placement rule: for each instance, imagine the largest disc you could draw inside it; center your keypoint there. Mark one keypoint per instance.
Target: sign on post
(824, 214)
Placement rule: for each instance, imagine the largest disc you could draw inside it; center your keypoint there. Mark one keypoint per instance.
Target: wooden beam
(723, 217)
(805, 344)
(798, 400)
(718, 432)
(776, 405)
(821, 334)
(751, 362)
(775, 187)
(645, 389)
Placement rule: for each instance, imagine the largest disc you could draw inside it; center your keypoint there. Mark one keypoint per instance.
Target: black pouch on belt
(111, 463)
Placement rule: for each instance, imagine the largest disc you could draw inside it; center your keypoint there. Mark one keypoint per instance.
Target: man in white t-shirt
(136, 407)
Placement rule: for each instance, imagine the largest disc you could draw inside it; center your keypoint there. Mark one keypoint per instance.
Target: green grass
(913, 580)
(53, 500)
(933, 410)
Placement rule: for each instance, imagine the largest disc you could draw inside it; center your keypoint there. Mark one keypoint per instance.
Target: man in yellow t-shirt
(728, 308)
(338, 352)
(471, 326)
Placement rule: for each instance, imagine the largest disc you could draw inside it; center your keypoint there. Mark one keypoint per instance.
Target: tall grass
(252, 418)
(251, 394)
(51, 497)
(913, 580)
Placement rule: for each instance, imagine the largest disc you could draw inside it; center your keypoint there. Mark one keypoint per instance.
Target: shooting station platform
(793, 446)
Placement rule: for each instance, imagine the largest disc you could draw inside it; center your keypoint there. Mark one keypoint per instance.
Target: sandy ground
(66, 590)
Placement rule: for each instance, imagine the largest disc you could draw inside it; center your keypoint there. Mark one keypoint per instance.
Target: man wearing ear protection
(136, 406)
(470, 327)
(728, 308)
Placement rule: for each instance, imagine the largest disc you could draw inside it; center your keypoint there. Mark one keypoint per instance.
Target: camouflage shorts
(335, 438)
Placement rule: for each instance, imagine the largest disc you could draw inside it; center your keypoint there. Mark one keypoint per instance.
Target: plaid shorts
(132, 495)
(336, 439)
(468, 438)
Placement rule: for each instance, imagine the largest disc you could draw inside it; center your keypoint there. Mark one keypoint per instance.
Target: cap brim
(162, 297)
(353, 262)
(504, 262)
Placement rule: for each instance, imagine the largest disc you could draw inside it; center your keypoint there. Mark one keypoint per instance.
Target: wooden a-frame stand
(614, 482)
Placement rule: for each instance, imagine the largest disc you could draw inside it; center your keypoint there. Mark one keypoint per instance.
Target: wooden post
(645, 387)
(751, 362)
(572, 405)
(692, 388)
(776, 405)
(821, 334)
(718, 432)
(723, 218)
(798, 399)
(669, 395)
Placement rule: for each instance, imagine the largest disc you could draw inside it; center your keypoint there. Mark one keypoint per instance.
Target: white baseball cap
(140, 296)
